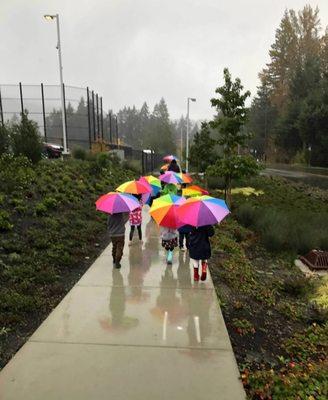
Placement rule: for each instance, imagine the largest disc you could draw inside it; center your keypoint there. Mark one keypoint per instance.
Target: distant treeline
(289, 115)
(138, 128)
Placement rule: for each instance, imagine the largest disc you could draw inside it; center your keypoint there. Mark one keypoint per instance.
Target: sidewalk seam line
(132, 345)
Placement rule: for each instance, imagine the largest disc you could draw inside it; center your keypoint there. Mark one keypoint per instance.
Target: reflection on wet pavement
(145, 317)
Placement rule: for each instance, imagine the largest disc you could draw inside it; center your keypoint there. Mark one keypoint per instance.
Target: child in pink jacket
(135, 219)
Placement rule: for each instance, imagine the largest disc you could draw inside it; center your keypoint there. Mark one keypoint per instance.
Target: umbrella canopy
(164, 167)
(113, 203)
(164, 210)
(170, 157)
(171, 177)
(186, 178)
(203, 210)
(194, 190)
(155, 183)
(134, 187)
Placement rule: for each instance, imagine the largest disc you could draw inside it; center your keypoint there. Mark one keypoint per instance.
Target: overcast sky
(132, 51)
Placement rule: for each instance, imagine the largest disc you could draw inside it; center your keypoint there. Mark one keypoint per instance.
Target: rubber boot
(196, 275)
(204, 271)
(169, 257)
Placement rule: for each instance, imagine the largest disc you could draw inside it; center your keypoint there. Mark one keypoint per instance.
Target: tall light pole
(187, 139)
(49, 17)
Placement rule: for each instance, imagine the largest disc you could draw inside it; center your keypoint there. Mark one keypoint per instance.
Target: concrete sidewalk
(146, 331)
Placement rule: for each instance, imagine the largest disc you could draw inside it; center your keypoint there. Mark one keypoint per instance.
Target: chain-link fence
(85, 119)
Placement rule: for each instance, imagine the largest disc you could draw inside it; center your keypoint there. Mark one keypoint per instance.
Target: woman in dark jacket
(200, 249)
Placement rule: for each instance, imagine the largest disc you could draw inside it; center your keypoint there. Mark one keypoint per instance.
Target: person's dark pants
(118, 245)
(132, 231)
(183, 236)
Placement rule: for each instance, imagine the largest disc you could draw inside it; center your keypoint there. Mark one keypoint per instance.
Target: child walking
(169, 242)
(116, 229)
(200, 249)
(184, 232)
(136, 219)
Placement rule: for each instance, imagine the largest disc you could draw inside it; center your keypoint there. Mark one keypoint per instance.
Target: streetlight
(187, 141)
(49, 17)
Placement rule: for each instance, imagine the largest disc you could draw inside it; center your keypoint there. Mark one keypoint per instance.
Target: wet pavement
(146, 331)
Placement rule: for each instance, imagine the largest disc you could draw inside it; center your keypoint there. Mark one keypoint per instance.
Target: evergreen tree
(202, 151)
(232, 115)
(26, 139)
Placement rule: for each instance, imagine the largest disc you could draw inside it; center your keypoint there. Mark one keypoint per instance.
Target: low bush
(290, 230)
(5, 224)
(79, 153)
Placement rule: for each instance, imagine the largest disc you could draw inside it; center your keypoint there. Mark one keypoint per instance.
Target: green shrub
(133, 165)
(246, 214)
(79, 153)
(4, 139)
(16, 174)
(40, 209)
(50, 202)
(5, 224)
(26, 139)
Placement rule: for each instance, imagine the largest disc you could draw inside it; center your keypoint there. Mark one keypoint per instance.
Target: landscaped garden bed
(50, 233)
(276, 317)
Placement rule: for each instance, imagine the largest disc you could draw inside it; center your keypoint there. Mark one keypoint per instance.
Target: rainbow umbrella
(113, 203)
(154, 183)
(186, 178)
(203, 210)
(171, 177)
(170, 157)
(194, 190)
(134, 187)
(164, 167)
(164, 210)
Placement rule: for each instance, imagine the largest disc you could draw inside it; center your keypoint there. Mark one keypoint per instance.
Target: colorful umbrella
(134, 187)
(164, 210)
(186, 178)
(170, 157)
(171, 177)
(154, 183)
(194, 190)
(164, 167)
(203, 210)
(113, 203)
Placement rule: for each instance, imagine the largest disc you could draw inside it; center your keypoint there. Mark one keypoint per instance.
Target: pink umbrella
(113, 203)
(203, 210)
(171, 177)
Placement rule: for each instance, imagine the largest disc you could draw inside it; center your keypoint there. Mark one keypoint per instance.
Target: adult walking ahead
(174, 166)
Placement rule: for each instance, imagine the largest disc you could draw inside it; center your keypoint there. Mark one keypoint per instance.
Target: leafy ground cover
(49, 235)
(276, 317)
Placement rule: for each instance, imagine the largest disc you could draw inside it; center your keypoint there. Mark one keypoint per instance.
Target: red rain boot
(196, 275)
(204, 270)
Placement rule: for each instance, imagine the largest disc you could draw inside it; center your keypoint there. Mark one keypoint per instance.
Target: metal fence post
(1, 110)
(21, 97)
(65, 115)
(142, 163)
(101, 119)
(97, 116)
(89, 120)
(116, 131)
(43, 114)
(110, 127)
(93, 116)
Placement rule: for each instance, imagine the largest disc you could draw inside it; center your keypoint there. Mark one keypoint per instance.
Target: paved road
(143, 332)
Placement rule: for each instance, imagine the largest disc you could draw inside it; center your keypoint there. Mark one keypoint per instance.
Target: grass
(276, 317)
(288, 216)
(50, 232)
